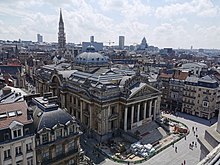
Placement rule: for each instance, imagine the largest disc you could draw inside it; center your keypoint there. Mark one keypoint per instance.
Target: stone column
(81, 111)
(132, 114)
(126, 118)
(150, 108)
(145, 109)
(155, 109)
(138, 112)
(90, 116)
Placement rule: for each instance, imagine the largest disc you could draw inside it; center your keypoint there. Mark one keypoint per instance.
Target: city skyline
(164, 23)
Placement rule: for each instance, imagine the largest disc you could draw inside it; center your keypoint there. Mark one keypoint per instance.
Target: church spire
(61, 36)
(61, 18)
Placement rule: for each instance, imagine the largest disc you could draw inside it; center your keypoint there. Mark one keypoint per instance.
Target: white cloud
(137, 19)
(198, 7)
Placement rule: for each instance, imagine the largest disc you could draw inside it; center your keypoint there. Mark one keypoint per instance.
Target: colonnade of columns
(147, 111)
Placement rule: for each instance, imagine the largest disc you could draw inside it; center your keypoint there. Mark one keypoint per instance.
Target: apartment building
(17, 139)
(201, 96)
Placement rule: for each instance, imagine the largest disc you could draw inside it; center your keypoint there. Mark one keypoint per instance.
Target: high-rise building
(61, 36)
(92, 39)
(121, 42)
(39, 38)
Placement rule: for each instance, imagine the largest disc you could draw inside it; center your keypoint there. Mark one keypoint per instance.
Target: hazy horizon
(164, 23)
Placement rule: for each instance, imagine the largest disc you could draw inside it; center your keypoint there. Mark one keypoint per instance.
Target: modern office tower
(121, 42)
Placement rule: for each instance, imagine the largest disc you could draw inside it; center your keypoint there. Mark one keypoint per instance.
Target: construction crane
(109, 42)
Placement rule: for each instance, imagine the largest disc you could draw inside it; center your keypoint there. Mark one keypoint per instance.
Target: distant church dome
(91, 57)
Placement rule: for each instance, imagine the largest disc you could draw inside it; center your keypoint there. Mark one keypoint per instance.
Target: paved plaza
(169, 156)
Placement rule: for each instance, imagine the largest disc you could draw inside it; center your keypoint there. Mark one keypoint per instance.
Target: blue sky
(164, 23)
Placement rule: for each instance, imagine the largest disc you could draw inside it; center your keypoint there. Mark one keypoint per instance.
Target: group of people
(184, 162)
(191, 145)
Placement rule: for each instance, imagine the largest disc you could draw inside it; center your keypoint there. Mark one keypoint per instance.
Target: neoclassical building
(102, 98)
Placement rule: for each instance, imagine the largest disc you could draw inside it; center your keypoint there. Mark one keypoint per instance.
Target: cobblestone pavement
(169, 156)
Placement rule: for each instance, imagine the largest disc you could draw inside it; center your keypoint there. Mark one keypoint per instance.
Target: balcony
(60, 158)
(187, 102)
(193, 97)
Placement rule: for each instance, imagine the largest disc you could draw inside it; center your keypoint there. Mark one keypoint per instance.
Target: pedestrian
(184, 162)
(195, 144)
(196, 128)
(193, 128)
(185, 137)
(175, 149)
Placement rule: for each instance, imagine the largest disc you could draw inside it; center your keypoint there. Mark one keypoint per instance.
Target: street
(169, 156)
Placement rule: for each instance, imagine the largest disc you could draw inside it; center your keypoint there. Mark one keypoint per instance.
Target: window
(17, 133)
(30, 161)
(71, 130)
(59, 132)
(45, 138)
(19, 162)
(70, 146)
(205, 104)
(6, 136)
(46, 155)
(59, 149)
(113, 110)
(28, 147)
(74, 100)
(70, 99)
(18, 151)
(7, 154)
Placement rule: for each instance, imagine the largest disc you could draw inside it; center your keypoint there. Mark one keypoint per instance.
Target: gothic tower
(61, 36)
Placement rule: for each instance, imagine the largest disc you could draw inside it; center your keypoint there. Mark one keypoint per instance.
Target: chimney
(6, 90)
(52, 100)
(48, 94)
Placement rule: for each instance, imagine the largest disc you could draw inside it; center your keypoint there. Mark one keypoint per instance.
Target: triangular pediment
(15, 125)
(142, 89)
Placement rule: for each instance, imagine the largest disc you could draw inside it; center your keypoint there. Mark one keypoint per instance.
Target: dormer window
(71, 129)
(45, 138)
(17, 133)
(16, 129)
(59, 133)
(205, 104)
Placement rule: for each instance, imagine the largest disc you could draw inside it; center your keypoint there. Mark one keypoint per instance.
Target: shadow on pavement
(197, 119)
(89, 150)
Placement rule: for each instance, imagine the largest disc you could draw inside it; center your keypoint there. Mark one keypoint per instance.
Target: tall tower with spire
(61, 36)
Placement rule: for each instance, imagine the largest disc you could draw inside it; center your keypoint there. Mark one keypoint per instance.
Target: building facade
(17, 140)
(201, 96)
(57, 133)
(121, 42)
(210, 143)
(103, 99)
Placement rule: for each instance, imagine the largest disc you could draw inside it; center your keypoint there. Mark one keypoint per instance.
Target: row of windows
(18, 151)
(59, 134)
(15, 134)
(59, 150)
